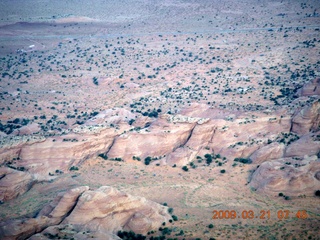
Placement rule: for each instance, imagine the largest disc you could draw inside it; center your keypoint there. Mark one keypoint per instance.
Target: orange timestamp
(262, 214)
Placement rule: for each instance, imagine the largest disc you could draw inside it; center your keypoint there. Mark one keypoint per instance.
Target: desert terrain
(162, 119)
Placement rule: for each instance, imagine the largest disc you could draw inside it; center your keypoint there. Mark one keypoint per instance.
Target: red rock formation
(60, 153)
(311, 88)
(13, 183)
(269, 152)
(101, 212)
(276, 176)
(307, 119)
(179, 138)
(307, 145)
(112, 210)
(159, 139)
(27, 130)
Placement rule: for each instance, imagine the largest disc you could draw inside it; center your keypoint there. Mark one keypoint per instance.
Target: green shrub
(208, 158)
(130, 235)
(185, 168)
(95, 81)
(243, 160)
(147, 160)
(166, 231)
(74, 168)
(103, 155)
(175, 218)
(181, 233)
(136, 158)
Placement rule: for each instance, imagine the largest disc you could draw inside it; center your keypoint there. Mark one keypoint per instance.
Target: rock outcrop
(161, 138)
(110, 209)
(10, 146)
(27, 130)
(307, 119)
(292, 177)
(60, 153)
(111, 116)
(174, 139)
(13, 183)
(52, 214)
(22, 228)
(238, 138)
(99, 213)
(269, 152)
(307, 145)
(311, 88)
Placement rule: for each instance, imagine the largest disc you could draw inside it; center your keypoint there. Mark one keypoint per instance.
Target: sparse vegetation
(185, 168)
(103, 155)
(130, 235)
(147, 160)
(175, 218)
(230, 75)
(243, 160)
(95, 81)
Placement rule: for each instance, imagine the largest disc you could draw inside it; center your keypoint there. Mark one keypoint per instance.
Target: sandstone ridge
(168, 140)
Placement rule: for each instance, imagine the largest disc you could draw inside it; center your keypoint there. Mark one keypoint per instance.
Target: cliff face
(99, 213)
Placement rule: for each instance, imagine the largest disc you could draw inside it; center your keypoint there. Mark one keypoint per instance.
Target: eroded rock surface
(238, 138)
(307, 145)
(60, 153)
(174, 139)
(161, 138)
(111, 116)
(100, 212)
(28, 129)
(13, 183)
(110, 209)
(268, 152)
(311, 88)
(307, 119)
(292, 177)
